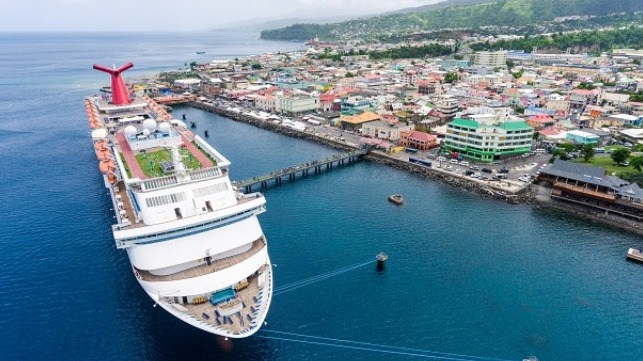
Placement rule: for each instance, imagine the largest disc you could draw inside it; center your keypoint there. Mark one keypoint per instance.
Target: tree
(560, 153)
(256, 66)
(587, 152)
(637, 163)
(450, 77)
(620, 155)
(510, 64)
(349, 75)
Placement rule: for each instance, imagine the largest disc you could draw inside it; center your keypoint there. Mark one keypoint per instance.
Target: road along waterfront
(511, 191)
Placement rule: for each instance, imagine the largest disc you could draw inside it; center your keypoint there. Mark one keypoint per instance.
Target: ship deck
(133, 165)
(121, 191)
(235, 316)
(205, 269)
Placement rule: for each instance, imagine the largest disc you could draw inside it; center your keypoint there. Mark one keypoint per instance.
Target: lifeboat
(100, 145)
(103, 154)
(103, 167)
(111, 178)
(106, 166)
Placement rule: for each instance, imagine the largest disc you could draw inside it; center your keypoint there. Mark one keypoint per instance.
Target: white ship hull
(194, 243)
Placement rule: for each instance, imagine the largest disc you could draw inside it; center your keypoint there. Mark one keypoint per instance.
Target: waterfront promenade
(512, 191)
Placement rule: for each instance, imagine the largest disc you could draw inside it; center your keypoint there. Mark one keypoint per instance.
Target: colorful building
(418, 140)
(357, 121)
(581, 137)
(489, 139)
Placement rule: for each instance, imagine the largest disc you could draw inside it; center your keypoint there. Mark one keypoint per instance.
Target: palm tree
(637, 163)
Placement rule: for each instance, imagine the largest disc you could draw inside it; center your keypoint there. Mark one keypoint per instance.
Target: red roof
(421, 136)
(550, 131)
(541, 118)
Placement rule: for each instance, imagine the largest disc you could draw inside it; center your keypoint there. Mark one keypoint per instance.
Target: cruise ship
(194, 242)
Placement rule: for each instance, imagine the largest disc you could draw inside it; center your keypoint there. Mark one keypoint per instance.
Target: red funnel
(119, 91)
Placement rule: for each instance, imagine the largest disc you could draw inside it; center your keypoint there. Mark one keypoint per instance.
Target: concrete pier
(302, 170)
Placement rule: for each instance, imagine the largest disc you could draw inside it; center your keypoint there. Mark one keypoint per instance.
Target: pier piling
(381, 260)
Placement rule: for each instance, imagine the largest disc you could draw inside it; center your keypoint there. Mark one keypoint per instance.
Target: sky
(175, 15)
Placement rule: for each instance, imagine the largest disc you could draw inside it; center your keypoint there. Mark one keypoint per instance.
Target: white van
(540, 151)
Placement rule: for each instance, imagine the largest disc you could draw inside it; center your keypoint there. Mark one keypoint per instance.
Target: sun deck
(235, 316)
(205, 269)
(148, 164)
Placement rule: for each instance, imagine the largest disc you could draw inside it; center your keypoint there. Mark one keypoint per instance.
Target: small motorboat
(396, 198)
(635, 254)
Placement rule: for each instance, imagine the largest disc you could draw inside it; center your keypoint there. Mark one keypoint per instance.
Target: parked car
(503, 170)
(475, 167)
(486, 170)
(469, 172)
(464, 163)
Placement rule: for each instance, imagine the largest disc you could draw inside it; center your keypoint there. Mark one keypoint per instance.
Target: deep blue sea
(466, 275)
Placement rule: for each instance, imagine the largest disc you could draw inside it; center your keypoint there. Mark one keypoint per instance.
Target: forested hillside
(500, 13)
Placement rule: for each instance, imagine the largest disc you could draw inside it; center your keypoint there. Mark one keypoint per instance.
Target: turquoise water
(465, 275)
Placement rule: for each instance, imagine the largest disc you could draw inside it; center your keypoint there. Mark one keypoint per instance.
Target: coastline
(543, 202)
(507, 194)
(531, 194)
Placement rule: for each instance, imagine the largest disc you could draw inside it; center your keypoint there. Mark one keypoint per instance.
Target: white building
(558, 102)
(491, 59)
(634, 136)
(385, 130)
(294, 105)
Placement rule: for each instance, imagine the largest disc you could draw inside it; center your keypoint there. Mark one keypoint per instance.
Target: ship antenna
(179, 167)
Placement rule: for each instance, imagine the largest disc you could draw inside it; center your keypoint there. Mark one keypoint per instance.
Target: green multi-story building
(488, 138)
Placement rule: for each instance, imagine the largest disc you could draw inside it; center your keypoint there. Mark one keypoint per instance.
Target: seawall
(544, 201)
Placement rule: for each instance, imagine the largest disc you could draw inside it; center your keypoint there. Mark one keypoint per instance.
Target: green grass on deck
(150, 162)
(127, 170)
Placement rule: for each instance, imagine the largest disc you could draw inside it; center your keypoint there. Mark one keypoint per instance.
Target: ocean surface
(465, 275)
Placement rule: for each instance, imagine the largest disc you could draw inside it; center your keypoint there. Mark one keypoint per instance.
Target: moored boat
(396, 198)
(635, 254)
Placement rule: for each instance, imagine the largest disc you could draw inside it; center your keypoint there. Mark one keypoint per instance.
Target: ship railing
(189, 318)
(171, 180)
(191, 229)
(205, 173)
(156, 183)
(220, 160)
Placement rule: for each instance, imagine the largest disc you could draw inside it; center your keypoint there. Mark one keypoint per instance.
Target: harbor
(513, 192)
(466, 274)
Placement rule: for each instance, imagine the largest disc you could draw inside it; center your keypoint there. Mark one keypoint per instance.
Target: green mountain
(500, 13)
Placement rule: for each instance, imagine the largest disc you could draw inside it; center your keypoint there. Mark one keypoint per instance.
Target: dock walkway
(302, 169)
